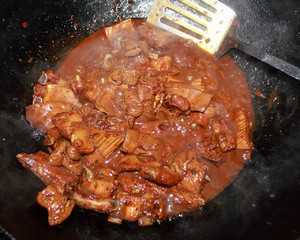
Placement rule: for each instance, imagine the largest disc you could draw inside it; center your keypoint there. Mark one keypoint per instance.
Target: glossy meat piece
(95, 119)
(131, 46)
(50, 175)
(145, 92)
(156, 38)
(198, 100)
(92, 88)
(136, 205)
(59, 207)
(133, 106)
(73, 153)
(81, 140)
(179, 164)
(224, 136)
(40, 114)
(74, 166)
(160, 174)
(129, 163)
(194, 177)
(102, 205)
(52, 136)
(179, 101)
(65, 122)
(185, 201)
(57, 155)
(77, 84)
(132, 182)
(131, 76)
(110, 101)
(203, 119)
(242, 139)
(97, 186)
(161, 65)
(56, 93)
(207, 148)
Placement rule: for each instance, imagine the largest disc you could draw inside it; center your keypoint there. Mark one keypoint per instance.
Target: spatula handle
(273, 61)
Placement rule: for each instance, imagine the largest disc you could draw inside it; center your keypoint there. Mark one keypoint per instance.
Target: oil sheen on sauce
(231, 86)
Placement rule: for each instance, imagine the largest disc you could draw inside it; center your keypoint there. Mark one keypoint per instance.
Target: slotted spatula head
(206, 22)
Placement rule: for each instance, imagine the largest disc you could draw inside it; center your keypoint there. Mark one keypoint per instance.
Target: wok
(263, 202)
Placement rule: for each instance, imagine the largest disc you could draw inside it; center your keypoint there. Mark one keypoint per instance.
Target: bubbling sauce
(148, 126)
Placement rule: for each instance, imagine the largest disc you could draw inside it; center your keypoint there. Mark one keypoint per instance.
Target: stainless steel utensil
(212, 25)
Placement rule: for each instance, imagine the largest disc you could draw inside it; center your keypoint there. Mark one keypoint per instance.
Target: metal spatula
(212, 25)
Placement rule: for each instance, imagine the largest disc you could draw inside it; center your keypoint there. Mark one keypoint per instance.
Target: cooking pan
(263, 202)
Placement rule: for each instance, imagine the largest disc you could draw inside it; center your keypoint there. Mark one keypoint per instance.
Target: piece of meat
(50, 175)
(110, 101)
(159, 174)
(99, 170)
(194, 177)
(73, 153)
(65, 122)
(131, 46)
(185, 201)
(77, 84)
(40, 114)
(129, 163)
(242, 138)
(136, 205)
(52, 137)
(116, 77)
(132, 182)
(102, 205)
(57, 155)
(74, 166)
(156, 37)
(203, 119)
(82, 140)
(208, 149)
(199, 100)
(92, 88)
(133, 105)
(179, 101)
(179, 164)
(59, 207)
(93, 158)
(56, 93)
(161, 65)
(131, 76)
(97, 186)
(224, 136)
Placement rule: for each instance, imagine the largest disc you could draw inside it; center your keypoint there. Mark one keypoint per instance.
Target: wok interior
(242, 206)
